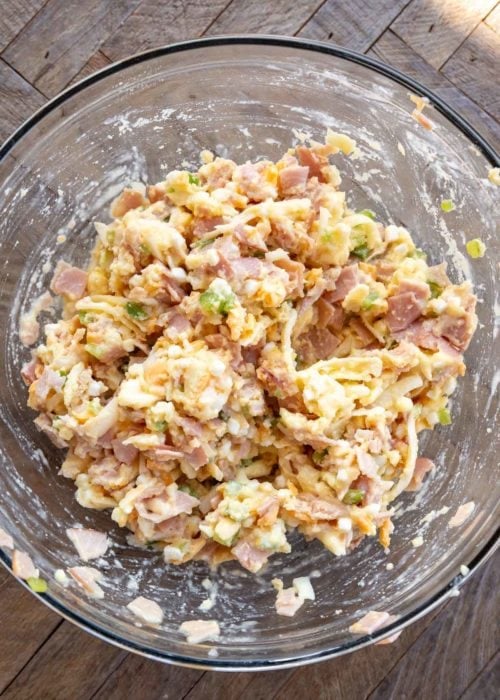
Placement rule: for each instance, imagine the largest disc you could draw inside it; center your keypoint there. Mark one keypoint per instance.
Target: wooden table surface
(453, 47)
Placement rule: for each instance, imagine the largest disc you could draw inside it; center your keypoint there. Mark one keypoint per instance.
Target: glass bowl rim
(490, 154)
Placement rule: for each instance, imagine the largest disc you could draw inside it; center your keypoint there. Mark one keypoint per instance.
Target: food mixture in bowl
(246, 355)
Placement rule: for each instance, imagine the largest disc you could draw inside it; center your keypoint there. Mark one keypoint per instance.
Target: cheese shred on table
(246, 355)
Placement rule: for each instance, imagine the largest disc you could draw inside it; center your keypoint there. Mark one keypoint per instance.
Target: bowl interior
(246, 100)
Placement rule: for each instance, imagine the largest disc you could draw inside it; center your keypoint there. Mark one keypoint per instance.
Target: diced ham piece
(124, 453)
(69, 280)
(462, 514)
(329, 316)
(317, 344)
(203, 226)
(6, 540)
(346, 281)
(198, 631)
(160, 503)
(49, 380)
(127, 200)
(293, 179)
(425, 334)
(146, 610)
(364, 334)
(197, 458)
(295, 271)
(288, 602)
(165, 453)
(312, 161)
(458, 331)
(373, 490)
(221, 173)
(317, 508)
(90, 544)
(370, 623)
(422, 466)
(28, 371)
(367, 464)
(250, 557)
(87, 577)
(177, 324)
(22, 565)
(404, 308)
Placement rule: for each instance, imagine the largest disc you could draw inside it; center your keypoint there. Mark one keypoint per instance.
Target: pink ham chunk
(457, 331)
(250, 557)
(329, 315)
(125, 454)
(90, 544)
(206, 225)
(146, 610)
(87, 577)
(312, 161)
(288, 602)
(317, 344)
(22, 565)
(422, 467)
(317, 508)
(370, 622)
(198, 631)
(293, 179)
(28, 371)
(405, 307)
(69, 280)
(346, 281)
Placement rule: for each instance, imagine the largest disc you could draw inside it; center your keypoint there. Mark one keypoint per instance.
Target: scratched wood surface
(453, 47)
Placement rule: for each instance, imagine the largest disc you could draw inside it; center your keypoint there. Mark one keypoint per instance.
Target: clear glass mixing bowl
(247, 98)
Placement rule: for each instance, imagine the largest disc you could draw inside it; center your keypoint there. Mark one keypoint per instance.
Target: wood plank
(95, 62)
(353, 676)
(435, 30)
(454, 649)
(14, 16)
(18, 100)
(239, 686)
(137, 677)
(474, 68)
(158, 23)
(52, 48)
(26, 624)
(278, 17)
(392, 50)
(71, 664)
(493, 19)
(487, 683)
(355, 24)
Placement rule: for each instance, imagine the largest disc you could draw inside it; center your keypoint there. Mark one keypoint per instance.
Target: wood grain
(62, 37)
(95, 63)
(18, 100)
(141, 678)
(26, 624)
(486, 684)
(14, 16)
(475, 68)
(435, 30)
(435, 665)
(391, 49)
(278, 17)
(355, 24)
(453, 47)
(158, 23)
(493, 19)
(73, 663)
